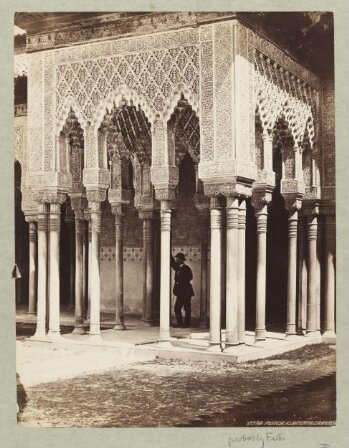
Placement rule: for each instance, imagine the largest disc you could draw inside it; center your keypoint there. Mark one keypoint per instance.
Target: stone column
(241, 271)
(79, 272)
(42, 272)
(119, 269)
(148, 267)
(54, 277)
(312, 276)
(33, 238)
(292, 270)
(302, 280)
(85, 266)
(260, 203)
(215, 274)
(95, 305)
(89, 276)
(69, 219)
(330, 278)
(232, 263)
(204, 231)
(165, 247)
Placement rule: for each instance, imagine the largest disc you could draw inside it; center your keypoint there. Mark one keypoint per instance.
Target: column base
(79, 330)
(39, 336)
(214, 347)
(54, 335)
(230, 348)
(31, 313)
(148, 323)
(313, 334)
(329, 334)
(164, 336)
(164, 344)
(120, 326)
(291, 329)
(300, 331)
(94, 338)
(260, 335)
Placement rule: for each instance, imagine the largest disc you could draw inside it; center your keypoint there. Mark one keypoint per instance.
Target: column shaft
(79, 272)
(89, 276)
(95, 269)
(241, 271)
(330, 278)
(32, 266)
(148, 267)
(85, 268)
(165, 236)
(42, 272)
(302, 281)
(215, 273)
(55, 226)
(292, 272)
(312, 276)
(262, 215)
(232, 262)
(203, 285)
(119, 273)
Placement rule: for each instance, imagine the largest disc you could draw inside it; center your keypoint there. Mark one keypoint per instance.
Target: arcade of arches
(210, 141)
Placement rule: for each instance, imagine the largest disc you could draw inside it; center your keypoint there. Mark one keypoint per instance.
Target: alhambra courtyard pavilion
(143, 134)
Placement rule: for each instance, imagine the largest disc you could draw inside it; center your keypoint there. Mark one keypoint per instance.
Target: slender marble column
(302, 280)
(165, 237)
(215, 274)
(70, 225)
(203, 322)
(89, 276)
(42, 272)
(79, 269)
(148, 267)
(33, 237)
(241, 271)
(312, 277)
(330, 278)
(119, 270)
(85, 267)
(292, 272)
(232, 263)
(55, 227)
(261, 212)
(95, 269)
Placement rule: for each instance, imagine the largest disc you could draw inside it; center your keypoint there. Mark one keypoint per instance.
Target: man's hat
(181, 256)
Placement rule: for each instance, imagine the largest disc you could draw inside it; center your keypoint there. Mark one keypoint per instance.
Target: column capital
(31, 218)
(166, 193)
(78, 203)
(118, 209)
(146, 214)
(261, 199)
(54, 197)
(226, 189)
(201, 201)
(293, 202)
(94, 196)
(311, 208)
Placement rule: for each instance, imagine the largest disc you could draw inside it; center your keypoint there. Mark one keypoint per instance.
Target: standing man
(182, 289)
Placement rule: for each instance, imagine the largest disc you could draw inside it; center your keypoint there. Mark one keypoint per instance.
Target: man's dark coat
(182, 286)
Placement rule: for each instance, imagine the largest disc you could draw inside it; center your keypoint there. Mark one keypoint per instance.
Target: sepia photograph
(175, 220)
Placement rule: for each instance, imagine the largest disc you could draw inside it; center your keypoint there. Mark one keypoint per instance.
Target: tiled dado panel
(135, 254)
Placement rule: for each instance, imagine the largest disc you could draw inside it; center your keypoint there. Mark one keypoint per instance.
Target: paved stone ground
(164, 393)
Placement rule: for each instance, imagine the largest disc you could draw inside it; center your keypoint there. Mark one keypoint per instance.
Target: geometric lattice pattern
(152, 74)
